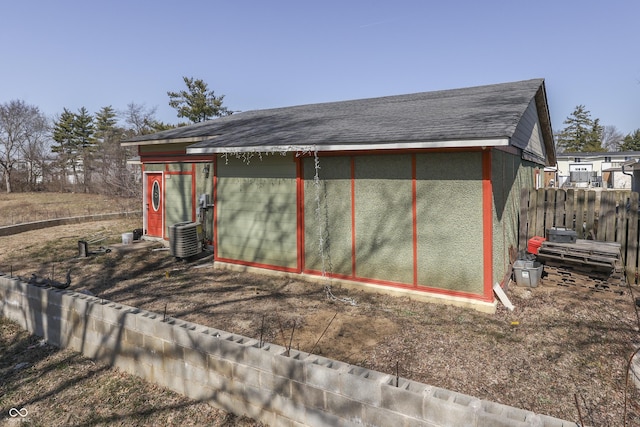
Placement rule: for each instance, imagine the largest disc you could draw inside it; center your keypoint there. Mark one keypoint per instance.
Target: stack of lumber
(584, 265)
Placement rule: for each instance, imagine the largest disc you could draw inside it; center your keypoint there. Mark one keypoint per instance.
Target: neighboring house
(589, 170)
(416, 193)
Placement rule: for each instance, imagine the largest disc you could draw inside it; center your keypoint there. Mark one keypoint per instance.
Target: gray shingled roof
(476, 113)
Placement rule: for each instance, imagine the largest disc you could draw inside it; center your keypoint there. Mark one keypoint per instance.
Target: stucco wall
(448, 194)
(256, 210)
(509, 174)
(449, 207)
(384, 220)
(331, 194)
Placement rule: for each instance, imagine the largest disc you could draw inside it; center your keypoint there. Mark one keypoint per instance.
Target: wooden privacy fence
(603, 215)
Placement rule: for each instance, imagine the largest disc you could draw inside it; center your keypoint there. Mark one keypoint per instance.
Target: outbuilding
(417, 194)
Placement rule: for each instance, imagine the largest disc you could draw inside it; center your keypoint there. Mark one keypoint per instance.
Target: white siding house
(594, 170)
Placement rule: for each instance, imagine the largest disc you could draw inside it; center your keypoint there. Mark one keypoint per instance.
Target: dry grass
(18, 208)
(564, 344)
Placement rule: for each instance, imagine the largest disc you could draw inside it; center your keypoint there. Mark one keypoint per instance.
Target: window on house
(577, 159)
(607, 159)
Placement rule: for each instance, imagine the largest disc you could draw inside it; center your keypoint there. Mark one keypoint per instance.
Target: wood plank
(621, 222)
(588, 246)
(590, 230)
(632, 242)
(524, 219)
(569, 208)
(539, 231)
(533, 213)
(559, 217)
(549, 205)
(611, 217)
(601, 223)
(580, 207)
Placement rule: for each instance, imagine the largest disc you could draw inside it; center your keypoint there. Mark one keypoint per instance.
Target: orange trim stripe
(414, 203)
(300, 214)
(487, 224)
(353, 216)
(215, 207)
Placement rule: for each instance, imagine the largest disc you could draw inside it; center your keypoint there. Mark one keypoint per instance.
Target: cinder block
(295, 411)
(233, 347)
(259, 357)
(376, 416)
(149, 357)
(154, 345)
(199, 391)
(164, 329)
(128, 318)
(133, 338)
(316, 418)
(173, 366)
(274, 384)
(485, 419)
(552, 422)
(216, 381)
(306, 395)
(327, 375)
(180, 335)
(145, 322)
(209, 341)
(439, 408)
(195, 358)
(283, 421)
(343, 406)
(364, 385)
(146, 371)
(246, 375)
(220, 366)
(401, 400)
(256, 397)
(171, 350)
(176, 383)
(291, 366)
(112, 313)
(194, 374)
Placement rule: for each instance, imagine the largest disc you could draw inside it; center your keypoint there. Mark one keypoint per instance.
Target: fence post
(632, 239)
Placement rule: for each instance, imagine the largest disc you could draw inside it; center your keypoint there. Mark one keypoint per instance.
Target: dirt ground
(558, 347)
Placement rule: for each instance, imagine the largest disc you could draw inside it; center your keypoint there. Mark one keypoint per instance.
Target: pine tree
(84, 129)
(631, 142)
(581, 134)
(65, 147)
(197, 103)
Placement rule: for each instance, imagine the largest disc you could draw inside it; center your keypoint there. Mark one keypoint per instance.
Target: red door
(154, 204)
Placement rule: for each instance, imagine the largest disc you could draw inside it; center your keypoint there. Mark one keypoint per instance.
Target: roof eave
(186, 140)
(545, 121)
(370, 146)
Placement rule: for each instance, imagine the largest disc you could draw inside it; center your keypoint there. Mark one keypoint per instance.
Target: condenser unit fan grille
(185, 239)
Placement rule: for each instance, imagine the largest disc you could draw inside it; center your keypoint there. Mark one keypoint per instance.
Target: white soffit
(498, 142)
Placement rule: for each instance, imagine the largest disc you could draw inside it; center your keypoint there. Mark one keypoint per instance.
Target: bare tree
(20, 125)
(35, 154)
(139, 119)
(612, 138)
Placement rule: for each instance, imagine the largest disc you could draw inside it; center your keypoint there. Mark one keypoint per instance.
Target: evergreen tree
(74, 134)
(65, 147)
(84, 129)
(631, 142)
(197, 103)
(581, 134)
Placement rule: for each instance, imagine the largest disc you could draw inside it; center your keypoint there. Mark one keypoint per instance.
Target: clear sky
(263, 54)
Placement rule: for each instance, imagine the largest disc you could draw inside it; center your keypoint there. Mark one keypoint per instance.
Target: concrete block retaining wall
(235, 373)
(9, 230)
